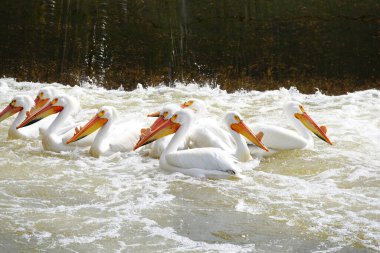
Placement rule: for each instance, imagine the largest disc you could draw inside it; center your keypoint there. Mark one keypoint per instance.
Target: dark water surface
(331, 45)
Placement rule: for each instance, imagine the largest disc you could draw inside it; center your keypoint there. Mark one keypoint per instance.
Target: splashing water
(322, 200)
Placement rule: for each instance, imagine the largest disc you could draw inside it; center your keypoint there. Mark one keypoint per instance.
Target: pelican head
(17, 104)
(169, 127)
(235, 121)
(44, 95)
(56, 105)
(295, 109)
(164, 114)
(197, 105)
(105, 114)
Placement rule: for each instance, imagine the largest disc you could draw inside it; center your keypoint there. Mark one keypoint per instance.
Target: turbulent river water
(326, 199)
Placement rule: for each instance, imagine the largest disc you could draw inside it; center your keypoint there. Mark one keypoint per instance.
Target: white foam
(123, 201)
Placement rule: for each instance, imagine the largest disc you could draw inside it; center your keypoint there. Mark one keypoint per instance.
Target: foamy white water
(322, 200)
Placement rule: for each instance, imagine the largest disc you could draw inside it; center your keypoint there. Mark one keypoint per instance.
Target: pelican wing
(158, 147)
(279, 138)
(29, 132)
(203, 158)
(124, 136)
(224, 135)
(69, 125)
(45, 123)
(218, 131)
(211, 136)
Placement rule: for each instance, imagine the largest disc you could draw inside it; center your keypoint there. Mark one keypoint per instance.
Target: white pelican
(111, 137)
(156, 148)
(54, 138)
(20, 104)
(278, 138)
(200, 162)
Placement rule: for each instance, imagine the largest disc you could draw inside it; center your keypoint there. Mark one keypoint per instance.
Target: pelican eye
(54, 101)
(188, 103)
(165, 114)
(13, 103)
(237, 118)
(174, 118)
(101, 114)
(41, 94)
(302, 109)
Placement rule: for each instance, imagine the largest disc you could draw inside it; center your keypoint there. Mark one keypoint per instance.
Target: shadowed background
(257, 44)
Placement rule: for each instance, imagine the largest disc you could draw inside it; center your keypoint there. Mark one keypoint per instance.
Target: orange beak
(38, 104)
(167, 128)
(187, 104)
(155, 114)
(242, 129)
(158, 122)
(41, 114)
(313, 127)
(9, 111)
(145, 131)
(94, 124)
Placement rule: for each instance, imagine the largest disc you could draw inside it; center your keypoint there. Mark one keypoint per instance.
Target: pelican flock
(24, 105)
(184, 137)
(55, 136)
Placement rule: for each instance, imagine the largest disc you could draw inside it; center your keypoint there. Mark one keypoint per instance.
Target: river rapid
(326, 199)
